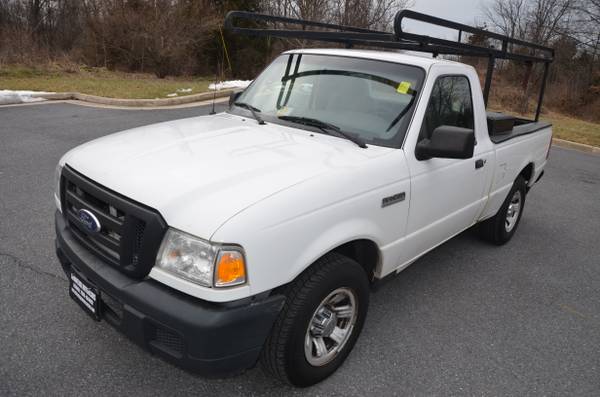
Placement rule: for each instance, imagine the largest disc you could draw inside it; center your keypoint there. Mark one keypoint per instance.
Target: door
(446, 194)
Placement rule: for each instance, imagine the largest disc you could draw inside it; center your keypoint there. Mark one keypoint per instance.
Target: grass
(98, 81)
(574, 130)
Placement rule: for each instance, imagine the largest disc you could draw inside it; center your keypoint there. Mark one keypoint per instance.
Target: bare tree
(375, 14)
(506, 17)
(588, 31)
(540, 21)
(570, 26)
(549, 19)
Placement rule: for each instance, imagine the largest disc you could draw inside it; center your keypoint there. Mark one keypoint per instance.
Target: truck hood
(200, 172)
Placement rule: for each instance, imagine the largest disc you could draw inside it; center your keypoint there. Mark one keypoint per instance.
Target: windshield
(371, 100)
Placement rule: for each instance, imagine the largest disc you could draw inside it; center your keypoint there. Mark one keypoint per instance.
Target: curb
(204, 96)
(574, 145)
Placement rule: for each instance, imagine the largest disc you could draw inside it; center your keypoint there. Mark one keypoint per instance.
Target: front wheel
(322, 317)
(501, 227)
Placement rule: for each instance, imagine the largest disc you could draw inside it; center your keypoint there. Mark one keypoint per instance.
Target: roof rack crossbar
(350, 36)
(247, 15)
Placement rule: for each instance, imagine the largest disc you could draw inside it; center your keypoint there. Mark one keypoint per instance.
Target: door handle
(479, 163)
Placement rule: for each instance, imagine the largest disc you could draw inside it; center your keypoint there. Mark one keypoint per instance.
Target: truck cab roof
(386, 56)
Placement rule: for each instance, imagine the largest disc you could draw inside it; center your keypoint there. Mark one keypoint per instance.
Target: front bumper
(204, 337)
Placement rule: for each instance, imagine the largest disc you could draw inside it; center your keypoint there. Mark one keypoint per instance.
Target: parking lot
(467, 319)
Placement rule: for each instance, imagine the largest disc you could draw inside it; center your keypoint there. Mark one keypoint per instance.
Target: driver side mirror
(234, 96)
(447, 142)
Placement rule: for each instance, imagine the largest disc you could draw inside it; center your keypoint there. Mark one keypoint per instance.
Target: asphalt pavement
(467, 319)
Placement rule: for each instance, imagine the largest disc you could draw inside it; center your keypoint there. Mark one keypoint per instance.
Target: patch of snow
(184, 90)
(230, 84)
(10, 97)
(172, 95)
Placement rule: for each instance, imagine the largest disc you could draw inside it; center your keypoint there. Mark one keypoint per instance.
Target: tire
(330, 279)
(498, 229)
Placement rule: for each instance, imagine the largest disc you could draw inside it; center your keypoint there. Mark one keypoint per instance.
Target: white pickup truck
(258, 233)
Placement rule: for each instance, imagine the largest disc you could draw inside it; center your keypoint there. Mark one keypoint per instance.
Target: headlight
(201, 262)
(57, 173)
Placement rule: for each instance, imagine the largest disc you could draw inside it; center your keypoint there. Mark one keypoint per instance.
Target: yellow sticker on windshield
(403, 87)
(284, 111)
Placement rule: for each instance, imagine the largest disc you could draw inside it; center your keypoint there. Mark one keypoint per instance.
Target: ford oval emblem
(89, 220)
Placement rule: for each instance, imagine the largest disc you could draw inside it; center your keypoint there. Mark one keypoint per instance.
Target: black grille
(107, 242)
(140, 226)
(130, 232)
(166, 339)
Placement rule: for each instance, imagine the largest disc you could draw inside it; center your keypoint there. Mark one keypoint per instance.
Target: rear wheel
(318, 326)
(501, 227)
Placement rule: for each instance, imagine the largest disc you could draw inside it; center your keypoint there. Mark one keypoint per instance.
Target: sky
(464, 11)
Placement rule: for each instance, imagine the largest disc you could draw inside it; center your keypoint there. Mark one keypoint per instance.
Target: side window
(450, 104)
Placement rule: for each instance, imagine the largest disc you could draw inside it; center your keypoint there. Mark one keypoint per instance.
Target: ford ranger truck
(256, 234)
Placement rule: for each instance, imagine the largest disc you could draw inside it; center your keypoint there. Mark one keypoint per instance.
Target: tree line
(165, 37)
(175, 37)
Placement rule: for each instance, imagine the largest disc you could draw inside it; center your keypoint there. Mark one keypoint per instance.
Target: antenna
(215, 91)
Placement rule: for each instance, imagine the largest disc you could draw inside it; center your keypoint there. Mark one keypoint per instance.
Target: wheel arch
(527, 172)
(365, 252)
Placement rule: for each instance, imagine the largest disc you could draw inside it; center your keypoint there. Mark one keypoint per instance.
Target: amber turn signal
(230, 269)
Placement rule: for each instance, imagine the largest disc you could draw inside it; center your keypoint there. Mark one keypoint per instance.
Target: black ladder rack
(508, 48)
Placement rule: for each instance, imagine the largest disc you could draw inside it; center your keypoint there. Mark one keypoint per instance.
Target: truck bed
(504, 127)
(519, 130)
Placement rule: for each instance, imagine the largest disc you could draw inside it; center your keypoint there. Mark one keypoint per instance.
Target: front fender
(278, 253)
(287, 232)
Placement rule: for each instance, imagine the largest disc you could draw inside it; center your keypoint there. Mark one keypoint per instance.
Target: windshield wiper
(252, 110)
(325, 127)
(402, 113)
